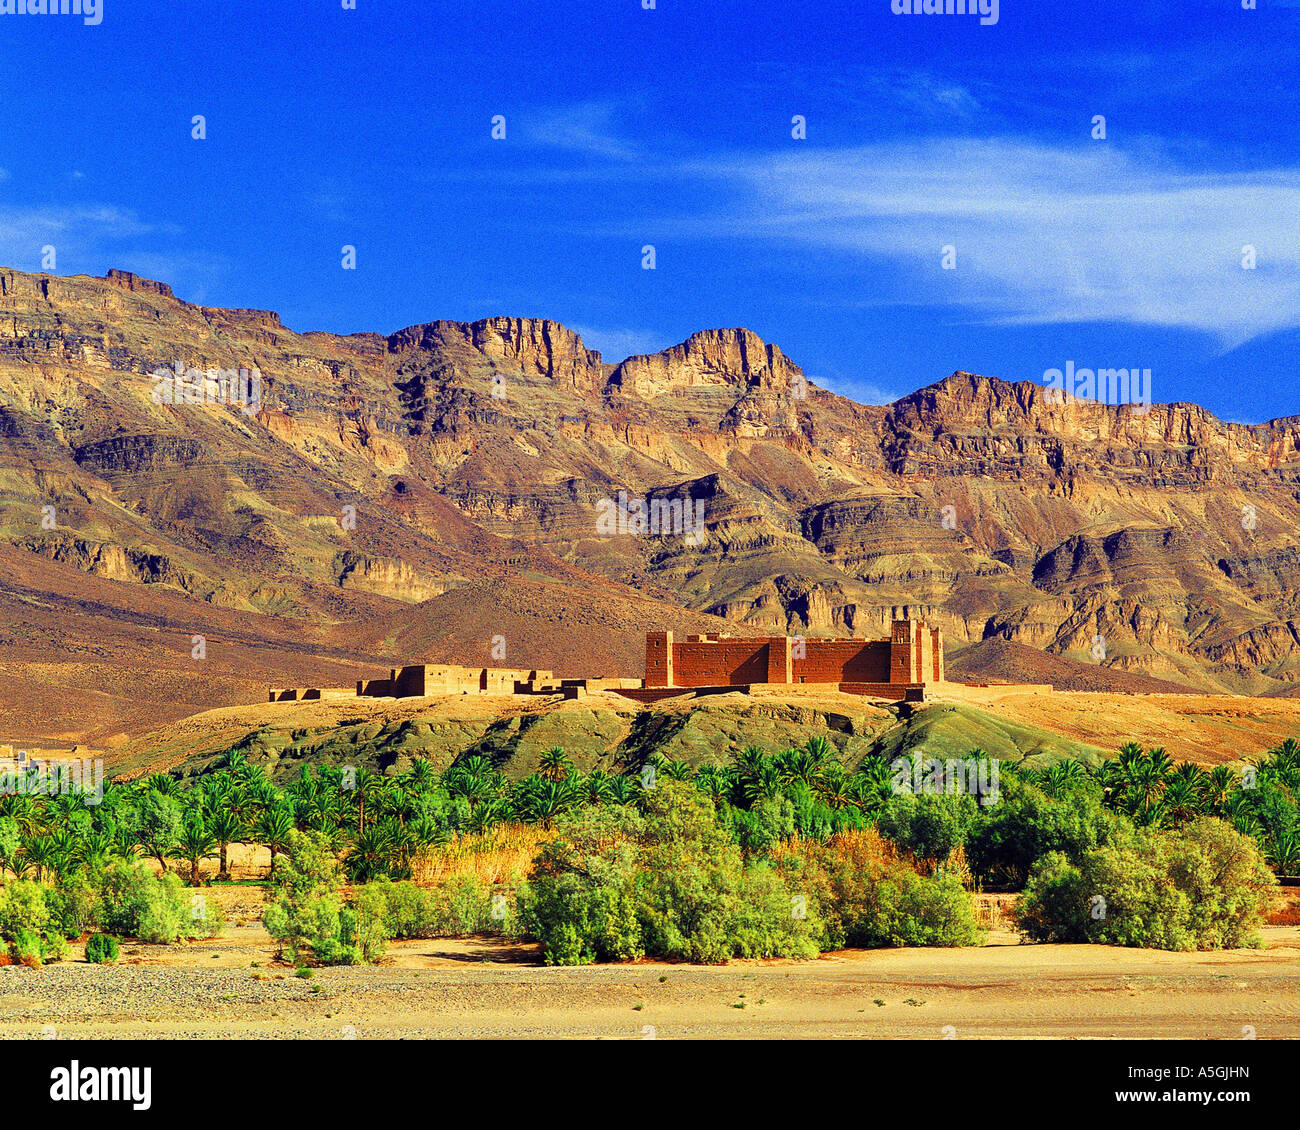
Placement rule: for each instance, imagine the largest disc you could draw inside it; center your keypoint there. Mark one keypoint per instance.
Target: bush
(866, 895)
(1004, 846)
(101, 949)
(579, 901)
(919, 910)
(770, 921)
(456, 907)
(361, 927)
(307, 915)
(154, 908)
(763, 826)
(204, 918)
(28, 948)
(930, 826)
(667, 881)
(22, 909)
(55, 946)
(1203, 887)
(74, 906)
(1227, 882)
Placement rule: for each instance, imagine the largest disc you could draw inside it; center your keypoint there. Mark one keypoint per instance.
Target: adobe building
(418, 680)
(908, 667)
(900, 667)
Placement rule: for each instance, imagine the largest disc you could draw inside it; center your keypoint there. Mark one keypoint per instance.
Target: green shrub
(203, 915)
(307, 915)
(1004, 845)
(33, 949)
(866, 896)
(920, 910)
(22, 908)
(101, 949)
(361, 927)
(764, 825)
(457, 907)
(668, 881)
(583, 917)
(55, 946)
(135, 903)
(1227, 882)
(74, 906)
(408, 910)
(930, 826)
(28, 948)
(771, 921)
(1202, 887)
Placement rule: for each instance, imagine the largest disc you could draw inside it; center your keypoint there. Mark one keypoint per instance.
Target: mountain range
(436, 493)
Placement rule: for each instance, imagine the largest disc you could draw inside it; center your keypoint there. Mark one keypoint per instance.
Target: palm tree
(872, 784)
(1066, 775)
(274, 829)
(764, 784)
(1283, 852)
(96, 850)
(1239, 811)
(21, 809)
(37, 852)
(1219, 783)
(1180, 800)
(422, 776)
(65, 850)
(716, 782)
(541, 799)
(678, 771)
(322, 812)
(394, 802)
(226, 828)
(834, 789)
(364, 787)
(746, 765)
(196, 843)
(597, 787)
(795, 765)
(371, 854)
(160, 783)
(625, 790)
(555, 764)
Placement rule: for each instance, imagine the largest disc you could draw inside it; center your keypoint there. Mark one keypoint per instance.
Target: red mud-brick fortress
(910, 659)
(907, 667)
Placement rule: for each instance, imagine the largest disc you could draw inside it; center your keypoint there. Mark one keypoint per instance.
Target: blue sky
(672, 127)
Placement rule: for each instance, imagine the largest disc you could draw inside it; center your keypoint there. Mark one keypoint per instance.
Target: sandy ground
(484, 988)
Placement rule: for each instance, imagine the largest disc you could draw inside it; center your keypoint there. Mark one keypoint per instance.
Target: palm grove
(788, 854)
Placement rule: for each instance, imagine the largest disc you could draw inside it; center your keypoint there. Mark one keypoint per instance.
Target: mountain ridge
(475, 455)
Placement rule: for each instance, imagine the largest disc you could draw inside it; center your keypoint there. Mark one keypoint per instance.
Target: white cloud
(79, 231)
(1043, 234)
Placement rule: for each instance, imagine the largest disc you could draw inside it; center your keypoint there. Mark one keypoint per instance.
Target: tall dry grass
(495, 856)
